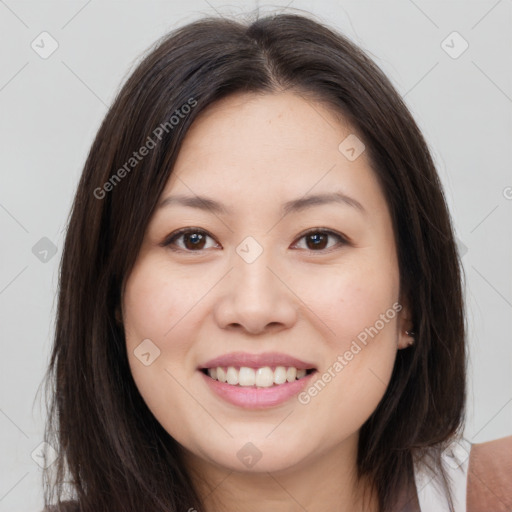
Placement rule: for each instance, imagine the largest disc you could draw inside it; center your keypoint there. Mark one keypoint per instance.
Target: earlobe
(410, 338)
(407, 334)
(406, 338)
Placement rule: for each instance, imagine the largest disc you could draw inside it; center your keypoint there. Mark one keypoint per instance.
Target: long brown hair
(114, 455)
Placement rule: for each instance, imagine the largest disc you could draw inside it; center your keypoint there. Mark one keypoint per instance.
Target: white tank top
(430, 495)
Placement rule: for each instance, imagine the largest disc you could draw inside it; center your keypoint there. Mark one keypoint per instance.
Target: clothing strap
(430, 490)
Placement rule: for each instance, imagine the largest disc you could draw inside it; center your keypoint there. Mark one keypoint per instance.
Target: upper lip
(239, 359)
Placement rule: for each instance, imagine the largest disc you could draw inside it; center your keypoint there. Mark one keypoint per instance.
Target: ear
(405, 326)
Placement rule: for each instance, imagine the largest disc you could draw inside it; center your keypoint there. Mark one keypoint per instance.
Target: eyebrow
(295, 205)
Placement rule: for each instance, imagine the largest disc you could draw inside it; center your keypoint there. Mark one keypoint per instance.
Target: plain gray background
(52, 107)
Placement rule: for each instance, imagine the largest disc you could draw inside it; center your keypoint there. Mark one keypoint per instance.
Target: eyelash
(169, 240)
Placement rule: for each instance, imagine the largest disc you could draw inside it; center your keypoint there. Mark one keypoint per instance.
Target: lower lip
(257, 398)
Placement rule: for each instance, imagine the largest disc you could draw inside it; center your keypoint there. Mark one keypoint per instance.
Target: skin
(253, 153)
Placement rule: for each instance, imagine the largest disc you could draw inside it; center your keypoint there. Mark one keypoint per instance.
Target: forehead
(269, 145)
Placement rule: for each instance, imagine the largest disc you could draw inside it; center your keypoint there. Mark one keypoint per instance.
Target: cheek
(157, 306)
(358, 308)
(154, 301)
(364, 318)
(350, 298)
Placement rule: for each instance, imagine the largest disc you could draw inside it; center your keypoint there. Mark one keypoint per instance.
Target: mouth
(261, 377)
(257, 387)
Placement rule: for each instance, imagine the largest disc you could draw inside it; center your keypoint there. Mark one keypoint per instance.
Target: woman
(260, 296)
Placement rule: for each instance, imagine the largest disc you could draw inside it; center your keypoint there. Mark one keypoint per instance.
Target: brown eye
(194, 240)
(318, 240)
(191, 240)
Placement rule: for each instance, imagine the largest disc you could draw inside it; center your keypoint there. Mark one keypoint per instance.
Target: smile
(249, 395)
(263, 377)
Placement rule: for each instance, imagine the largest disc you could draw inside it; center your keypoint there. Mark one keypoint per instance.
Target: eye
(194, 239)
(317, 240)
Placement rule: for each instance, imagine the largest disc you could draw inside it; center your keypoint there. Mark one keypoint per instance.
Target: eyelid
(168, 241)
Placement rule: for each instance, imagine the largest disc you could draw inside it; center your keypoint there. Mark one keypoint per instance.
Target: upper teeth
(261, 377)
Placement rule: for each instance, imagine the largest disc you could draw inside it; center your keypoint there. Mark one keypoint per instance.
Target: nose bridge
(254, 297)
(252, 261)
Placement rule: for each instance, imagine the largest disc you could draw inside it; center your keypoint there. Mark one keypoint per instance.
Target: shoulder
(65, 506)
(489, 484)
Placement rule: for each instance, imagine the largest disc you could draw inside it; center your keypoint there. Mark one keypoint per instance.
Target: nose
(255, 298)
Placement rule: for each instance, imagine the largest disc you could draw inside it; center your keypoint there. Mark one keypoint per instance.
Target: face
(266, 269)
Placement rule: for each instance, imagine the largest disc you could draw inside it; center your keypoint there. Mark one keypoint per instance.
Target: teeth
(221, 374)
(264, 377)
(232, 376)
(291, 374)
